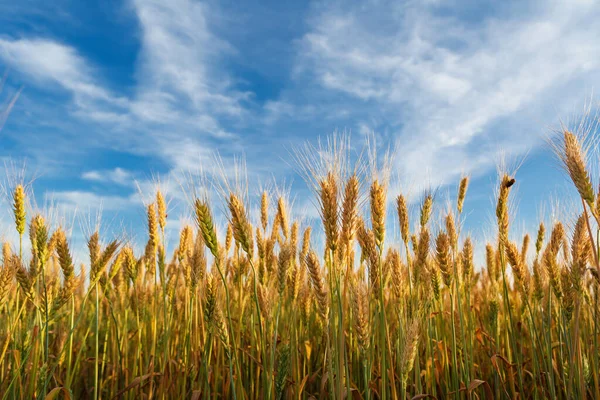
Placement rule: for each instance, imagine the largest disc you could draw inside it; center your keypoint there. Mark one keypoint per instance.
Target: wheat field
(262, 311)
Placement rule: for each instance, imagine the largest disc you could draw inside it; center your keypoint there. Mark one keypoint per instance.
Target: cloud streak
(118, 176)
(180, 93)
(444, 82)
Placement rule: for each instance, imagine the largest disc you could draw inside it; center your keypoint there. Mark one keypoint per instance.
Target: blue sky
(119, 92)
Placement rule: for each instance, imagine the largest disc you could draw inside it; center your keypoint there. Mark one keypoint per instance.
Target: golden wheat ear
(283, 263)
(462, 193)
(395, 268)
(6, 278)
(65, 260)
(6, 254)
(574, 161)
(350, 210)
(468, 264)
(502, 207)
(329, 210)
(378, 208)
(161, 210)
(539, 241)
(207, 228)
(360, 307)
(421, 255)
(316, 278)
(152, 226)
(442, 257)
(426, 209)
(409, 350)
(402, 209)
(264, 210)
(242, 231)
(283, 219)
(367, 242)
(451, 231)
(19, 209)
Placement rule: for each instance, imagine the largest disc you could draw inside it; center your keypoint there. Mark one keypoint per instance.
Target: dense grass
(259, 313)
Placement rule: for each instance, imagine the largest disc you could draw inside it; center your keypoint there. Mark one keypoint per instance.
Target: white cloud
(117, 175)
(447, 82)
(179, 55)
(181, 93)
(46, 61)
(85, 201)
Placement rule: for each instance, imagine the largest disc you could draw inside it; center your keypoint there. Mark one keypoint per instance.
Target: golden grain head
(490, 261)
(426, 208)
(462, 193)
(361, 312)
(152, 226)
(41, 237)
(294, 235)
(442, 256)
(207, 228)
(468, 264)
(350, 209)
(402, 210)
(161, 210)
(6, 253)
(502, 207)
(283, 217)
(539, 242)
(539, 280)
(316, 279)
(329, 210)
(409, 350)
(283, 264)
(421, 254)
(580, 243)
(6, 277)
(575, 163)
(451, 231)
(553, 270)
(378, 208)
(264, 210)
(556, 237)
(242, 230)
(64, 257)
(368, 245)
(186, 237)
(396, 269)
(19, 209)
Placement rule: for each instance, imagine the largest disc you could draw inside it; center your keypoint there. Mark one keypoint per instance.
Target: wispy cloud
(446, 83)
(180, 57)
(85, 201)
(179, 109)
(6, 103)
(44, 61)
(118, 176)
(180, 94)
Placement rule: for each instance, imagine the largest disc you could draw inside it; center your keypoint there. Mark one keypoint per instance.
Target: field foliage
(261, 311)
